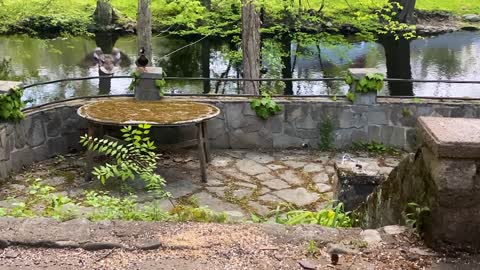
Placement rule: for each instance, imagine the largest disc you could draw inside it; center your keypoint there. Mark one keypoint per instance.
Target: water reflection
(448, 56)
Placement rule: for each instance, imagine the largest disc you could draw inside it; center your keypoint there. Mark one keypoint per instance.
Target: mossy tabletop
(124, 112)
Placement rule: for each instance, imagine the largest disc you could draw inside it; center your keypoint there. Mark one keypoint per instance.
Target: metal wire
(240, 80)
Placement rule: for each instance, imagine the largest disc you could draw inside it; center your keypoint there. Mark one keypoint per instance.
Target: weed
(374, 148)
(312, 249)
(415, 216)
(406, 112)
(331, 216)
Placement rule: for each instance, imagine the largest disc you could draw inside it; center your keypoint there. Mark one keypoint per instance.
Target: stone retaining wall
(55, 128)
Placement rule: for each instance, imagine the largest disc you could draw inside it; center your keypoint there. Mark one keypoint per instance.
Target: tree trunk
(250, 46)
(205, 62)
(103, 15)
(397, 55)
(406, 14)
(287, 70)
(144, 28)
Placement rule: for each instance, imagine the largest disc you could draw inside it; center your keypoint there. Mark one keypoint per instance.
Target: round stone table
(156, 113)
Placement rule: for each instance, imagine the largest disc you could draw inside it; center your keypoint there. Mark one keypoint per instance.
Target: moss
(157, 112)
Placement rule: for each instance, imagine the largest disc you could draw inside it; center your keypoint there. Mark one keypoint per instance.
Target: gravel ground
(192, 246)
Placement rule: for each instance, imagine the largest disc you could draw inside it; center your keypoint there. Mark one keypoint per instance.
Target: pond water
(452, 56)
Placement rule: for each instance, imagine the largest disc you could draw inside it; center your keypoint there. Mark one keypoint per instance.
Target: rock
(276, 184)
(291, 177)
(181, 188)
(214, 182)
(340, 249)
(260, 157)
(321, 178)
(219, 191)
(259, 208)
(215, 204)
(372, 237)
(235, 174)
(307, 265)
(54, 181)
(241, 193)
(265, 177)
(421, 252)
(221, 161)
(471, 18)
(394, 229)
(16, 187)
(4, 243)
(251, 167)
(263, 190)
(275, 167)
(66, 244)
(313, 167)
(101, 245)
(322, 188)
(298, 196)
(270, 198)
(149, 245)
(247, 185)
(295, 164)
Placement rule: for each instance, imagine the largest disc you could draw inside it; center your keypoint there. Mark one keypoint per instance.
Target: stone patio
(239, 182)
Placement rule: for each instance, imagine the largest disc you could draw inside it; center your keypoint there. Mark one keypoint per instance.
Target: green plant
(265, 107)
(135, 158)
(135, 81)
(415, 216)
(312, 248)
(406, 112)
(184, 213)
(41, 201)
(11, 105)
(111, 208)
(372, 82)
(331, 216)
(374, 148)
(327, 138)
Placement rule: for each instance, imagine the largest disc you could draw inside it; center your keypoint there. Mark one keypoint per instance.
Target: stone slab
(5, 86)
(451, 137)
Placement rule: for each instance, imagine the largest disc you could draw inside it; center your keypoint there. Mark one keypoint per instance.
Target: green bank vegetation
(194, 17)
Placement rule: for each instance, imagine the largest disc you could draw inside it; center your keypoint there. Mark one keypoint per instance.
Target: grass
(76, 13)
(458, 7)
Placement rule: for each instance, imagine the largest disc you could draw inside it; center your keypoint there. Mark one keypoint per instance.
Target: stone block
(20, 140)
(35, 130)
(296, 111)
(283, 141)
(374, 133)
(451, 137)
(306, 122)
(21, 157)
(53, 123)
(377, 118)
(393, 136)
(4, 151)
(5, 86)
(241, 140)
(147, 89)
(348, 119)
(5, 169)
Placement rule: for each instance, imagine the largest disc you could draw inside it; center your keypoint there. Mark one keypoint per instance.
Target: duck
(142, 60)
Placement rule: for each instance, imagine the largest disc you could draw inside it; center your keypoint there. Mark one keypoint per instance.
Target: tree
(405, 13)
(250, 46)
(144, 27)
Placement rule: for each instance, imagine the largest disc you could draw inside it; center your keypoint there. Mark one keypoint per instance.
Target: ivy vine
(372, 82)
(265, 107)
(11, 105)
(159, 84)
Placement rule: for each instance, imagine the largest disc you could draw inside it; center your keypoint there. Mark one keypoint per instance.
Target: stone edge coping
(130, 235)
(446, 149)
(77, 102)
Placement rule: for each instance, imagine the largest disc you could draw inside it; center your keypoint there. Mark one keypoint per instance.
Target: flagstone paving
(240, 182)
